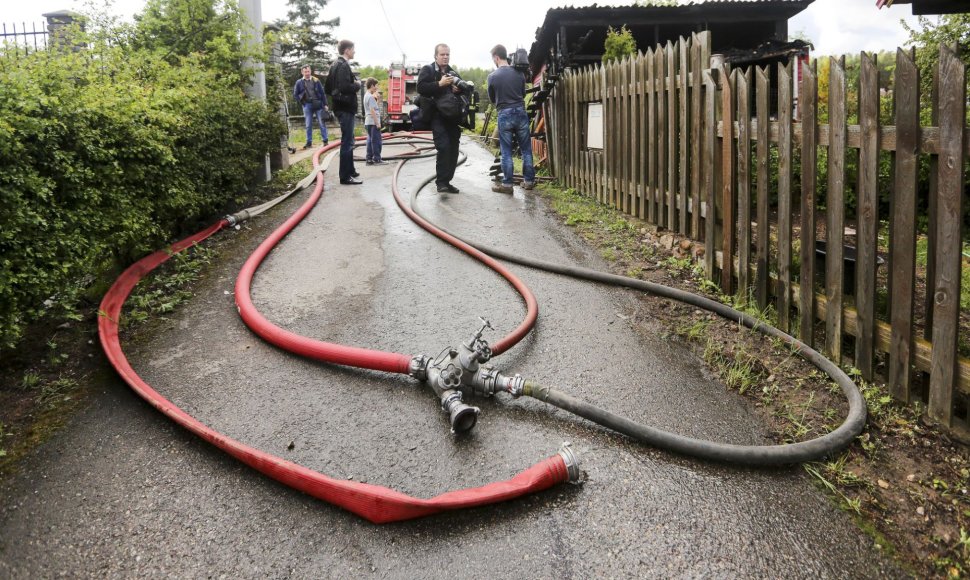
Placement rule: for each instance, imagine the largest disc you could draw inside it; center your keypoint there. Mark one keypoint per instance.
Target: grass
(298, 134)
(167, 289)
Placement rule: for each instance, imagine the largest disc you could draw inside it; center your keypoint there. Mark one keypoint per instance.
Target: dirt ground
(904, 480)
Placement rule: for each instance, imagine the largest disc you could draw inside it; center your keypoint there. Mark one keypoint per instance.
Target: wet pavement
(123, 492)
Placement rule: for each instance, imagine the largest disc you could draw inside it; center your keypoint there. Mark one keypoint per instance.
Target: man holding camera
(506, 90)
(436, 81)
(342, 88)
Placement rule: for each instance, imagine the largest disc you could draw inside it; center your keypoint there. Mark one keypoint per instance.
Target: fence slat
(728, 202)
(867, 214)
(642, 179)
(671, 191)
(808, 109)
(602, 176)
(835, 210)
(784, 196)
(949, 206)
(761, 253)
(743, 89)
(902, 237)
(682, 137)
(696, 111)
(710, 184)
(609, 136)
(629, 143)
(662, 118)
(636, 130)
(652, 146)
(931, 225)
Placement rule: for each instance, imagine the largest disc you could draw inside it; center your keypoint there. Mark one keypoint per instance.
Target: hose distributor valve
(460, 373)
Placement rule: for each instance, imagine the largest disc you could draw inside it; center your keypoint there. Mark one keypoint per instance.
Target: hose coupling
(237, 218)
(572, 462)
(418, 367)
(462, 416)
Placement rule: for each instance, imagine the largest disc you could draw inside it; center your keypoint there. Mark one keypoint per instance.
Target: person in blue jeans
(506, 90)
(342, 88)
(309, 92)
(372, 122)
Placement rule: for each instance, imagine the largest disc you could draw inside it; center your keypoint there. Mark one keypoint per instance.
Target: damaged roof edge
(695, 12)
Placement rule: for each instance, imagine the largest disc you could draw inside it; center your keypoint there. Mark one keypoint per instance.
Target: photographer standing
(506, 90)
(343, 88)
(436, 81)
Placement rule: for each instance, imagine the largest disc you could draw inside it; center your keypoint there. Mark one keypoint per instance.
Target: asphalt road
(122, 492)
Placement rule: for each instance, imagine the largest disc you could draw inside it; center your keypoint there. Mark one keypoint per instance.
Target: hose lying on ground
(375, 503)
(802, 451)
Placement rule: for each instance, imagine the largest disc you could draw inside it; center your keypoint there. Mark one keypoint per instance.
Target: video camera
(519, 60)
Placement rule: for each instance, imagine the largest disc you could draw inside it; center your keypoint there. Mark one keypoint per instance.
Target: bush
(108, 152)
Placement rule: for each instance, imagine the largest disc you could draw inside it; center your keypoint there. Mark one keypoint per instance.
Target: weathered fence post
(949, 206)
(902, 235)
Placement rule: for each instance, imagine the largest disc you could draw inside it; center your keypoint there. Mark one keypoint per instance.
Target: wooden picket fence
(686, 145)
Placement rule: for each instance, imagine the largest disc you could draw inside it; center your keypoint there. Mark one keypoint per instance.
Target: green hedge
(107, 154)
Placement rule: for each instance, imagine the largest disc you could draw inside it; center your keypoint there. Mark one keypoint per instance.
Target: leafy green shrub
(108, 152)
(619, 43)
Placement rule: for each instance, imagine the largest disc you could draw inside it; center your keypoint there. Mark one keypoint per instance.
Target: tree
(179, 28)
(619, 43)
(950, 29)
(305, 37)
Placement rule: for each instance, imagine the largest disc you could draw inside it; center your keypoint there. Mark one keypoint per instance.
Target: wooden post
(651, 137)
(902, 237)
(709, 165)
(835, 210)
(761, 252)
(743, 89)
(661, 72)
(946, 298)
(808, 107)
(785, 107)
(683, 134)
(696, 112)
(867, 214)
(642, 178)
(671, 123)
(728, 161)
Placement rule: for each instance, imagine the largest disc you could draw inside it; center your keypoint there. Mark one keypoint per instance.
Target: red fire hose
(375, 503)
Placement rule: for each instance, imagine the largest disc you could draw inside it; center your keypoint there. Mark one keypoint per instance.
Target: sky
(383, 30)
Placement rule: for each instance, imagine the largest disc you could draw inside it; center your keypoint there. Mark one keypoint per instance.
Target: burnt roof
(724, 11)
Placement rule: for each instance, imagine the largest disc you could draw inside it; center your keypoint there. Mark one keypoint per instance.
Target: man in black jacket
(342, 88)
(435, 80)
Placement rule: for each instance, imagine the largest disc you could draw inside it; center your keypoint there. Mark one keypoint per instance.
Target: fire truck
(402, 88)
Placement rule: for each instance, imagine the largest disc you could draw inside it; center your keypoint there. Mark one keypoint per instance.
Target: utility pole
(257, 89)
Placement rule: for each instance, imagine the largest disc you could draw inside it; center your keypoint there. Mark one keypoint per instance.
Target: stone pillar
(257, 89)
(59, 25)
(279, 159)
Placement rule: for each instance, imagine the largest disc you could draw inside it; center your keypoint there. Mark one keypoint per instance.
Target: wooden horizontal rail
(929, 137)
(922, 349)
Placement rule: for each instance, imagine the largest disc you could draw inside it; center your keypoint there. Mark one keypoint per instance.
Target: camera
(463, 86)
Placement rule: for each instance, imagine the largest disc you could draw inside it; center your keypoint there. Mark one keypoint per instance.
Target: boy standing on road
(506, 90)
(372, 122)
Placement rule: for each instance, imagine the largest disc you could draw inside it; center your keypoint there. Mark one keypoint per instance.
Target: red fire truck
(402, 88)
